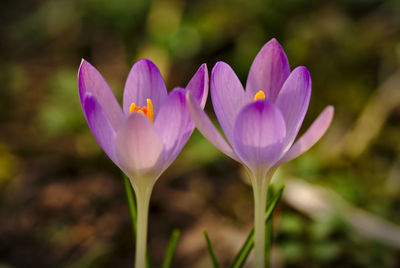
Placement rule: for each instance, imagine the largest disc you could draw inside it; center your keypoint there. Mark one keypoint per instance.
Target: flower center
(145, 110)
(260, 95)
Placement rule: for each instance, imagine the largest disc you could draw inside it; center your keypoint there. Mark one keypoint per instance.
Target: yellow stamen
(146, 111)
(260, 95)
(132, 108)
(150, 112)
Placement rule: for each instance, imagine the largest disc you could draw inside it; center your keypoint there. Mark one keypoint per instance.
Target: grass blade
(268, 229)
(169, 253)
(210, 250)
(248, 245)
(131, 200)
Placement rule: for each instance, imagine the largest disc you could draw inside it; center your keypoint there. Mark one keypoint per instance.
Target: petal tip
(84, 64)
(150, 64)
(330, 109)
(273, 43)
(218, 65)
(302, 73)
(203, 67)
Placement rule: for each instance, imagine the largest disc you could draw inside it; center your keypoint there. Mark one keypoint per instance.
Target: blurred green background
(62, 200)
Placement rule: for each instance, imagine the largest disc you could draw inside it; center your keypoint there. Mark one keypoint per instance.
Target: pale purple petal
(100, 126)
(259, 134)
(206, 127)
(227, 95)
(144, 82)
(311, 136)
(293, 100)
(173, 124)
(198, 85)
(139, 147)
(269, 71)
(91, 82)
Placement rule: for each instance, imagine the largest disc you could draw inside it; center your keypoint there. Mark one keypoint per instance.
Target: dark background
(62, 201)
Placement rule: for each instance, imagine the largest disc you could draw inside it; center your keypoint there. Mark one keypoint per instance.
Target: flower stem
(142, 200)
(260, 189)
(260, 195)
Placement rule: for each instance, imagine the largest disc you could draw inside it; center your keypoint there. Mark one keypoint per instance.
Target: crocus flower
(261, 123)
(144, 137)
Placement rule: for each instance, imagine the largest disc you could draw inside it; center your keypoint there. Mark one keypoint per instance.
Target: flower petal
(198, 85)
(259, 134)
(144, 81)
(206, 127)
(174, 124)
(227, 95)
(139, 147)
(100, 126)
(269, 71)
(91, 82)
(293, 100)
(311, 136)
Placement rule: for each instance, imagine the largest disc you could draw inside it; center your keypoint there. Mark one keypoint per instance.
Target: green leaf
(268, 229)
(169, 253)
(210, 250)
(248, 245)
(131, 200)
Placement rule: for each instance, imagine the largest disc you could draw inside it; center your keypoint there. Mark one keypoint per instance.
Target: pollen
(260, 95)
(145, 110)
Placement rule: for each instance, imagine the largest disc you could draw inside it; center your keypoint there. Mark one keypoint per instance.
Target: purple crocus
(261, 123)
(146, 136)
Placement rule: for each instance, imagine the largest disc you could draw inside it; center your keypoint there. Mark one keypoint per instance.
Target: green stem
(142, 200)
(260, 189)
(260, 194)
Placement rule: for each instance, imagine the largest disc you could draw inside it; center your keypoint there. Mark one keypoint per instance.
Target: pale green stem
(260, 194)
(143, 194)
(260, 189)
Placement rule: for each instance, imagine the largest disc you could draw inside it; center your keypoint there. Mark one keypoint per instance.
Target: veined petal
(293, 100)
(269, 71)
(311, 136)
(144, 82)
(198, 85)
(139, 148)
(258, 135)
(227, 95)
(100, 126)
(206, 127)
(173, 124)
(91, 82)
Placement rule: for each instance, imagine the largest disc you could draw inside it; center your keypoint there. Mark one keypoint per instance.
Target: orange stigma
(146, 111)
(260, 95)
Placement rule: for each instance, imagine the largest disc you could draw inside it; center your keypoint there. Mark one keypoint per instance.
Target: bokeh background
(62, 201)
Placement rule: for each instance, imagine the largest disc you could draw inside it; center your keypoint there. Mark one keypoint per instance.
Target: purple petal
(206, 127)
(139, 148)
(198, 85)
(259, 134)
(269, 71)
(227, 96)
(311, 136)
(144, 82)
(91, 82)
(173, 124)
(293, 100)
(100, 126)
